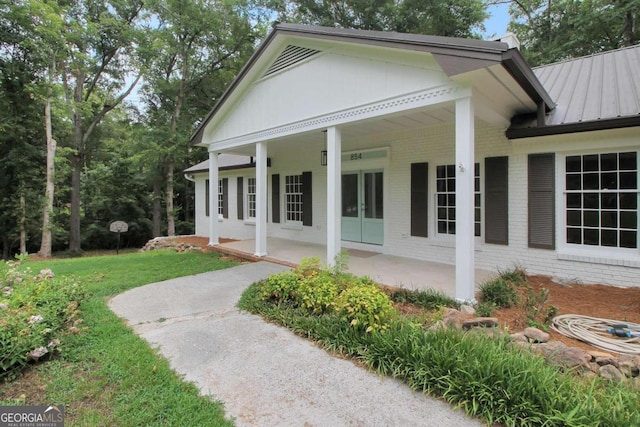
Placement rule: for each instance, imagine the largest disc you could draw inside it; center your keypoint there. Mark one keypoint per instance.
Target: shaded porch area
(386, 269)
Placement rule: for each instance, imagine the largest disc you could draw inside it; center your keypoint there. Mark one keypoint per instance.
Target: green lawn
(107, 375)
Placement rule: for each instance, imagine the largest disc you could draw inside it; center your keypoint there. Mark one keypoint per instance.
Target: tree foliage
(552, 31)
(461, 18)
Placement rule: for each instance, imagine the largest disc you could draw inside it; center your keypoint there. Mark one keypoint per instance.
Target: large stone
(468, 310)
(629, 365)
(536, 335)
(486, 322)
(519, 336)
(453, 318)
(559, 354)
(610, 372)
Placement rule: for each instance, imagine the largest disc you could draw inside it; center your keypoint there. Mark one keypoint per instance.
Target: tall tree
(198, 46)
(459, 18)
(552, 31)
(21, 66)
(101, 71)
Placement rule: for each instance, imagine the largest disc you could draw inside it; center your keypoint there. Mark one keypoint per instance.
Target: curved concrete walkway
(265, 375)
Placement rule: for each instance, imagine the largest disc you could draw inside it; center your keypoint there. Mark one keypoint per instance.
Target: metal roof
(594, 92)
(455, 55)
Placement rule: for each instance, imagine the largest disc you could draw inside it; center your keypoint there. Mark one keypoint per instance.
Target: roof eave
(517, 66)
(588, 126)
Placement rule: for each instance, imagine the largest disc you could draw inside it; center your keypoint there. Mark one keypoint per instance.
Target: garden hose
(607, 334)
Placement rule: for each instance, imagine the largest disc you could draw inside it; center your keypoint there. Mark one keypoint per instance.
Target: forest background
(98, 98)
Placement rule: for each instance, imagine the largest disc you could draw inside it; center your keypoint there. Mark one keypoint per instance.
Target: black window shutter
(496, 200)
(275, 198)
(542, 201)
(307, 199)
(225, 197)
(240, 197)
(419, 199)
(206, 197)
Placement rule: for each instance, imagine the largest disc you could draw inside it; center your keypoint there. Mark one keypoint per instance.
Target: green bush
(430, 299)
(516, 276)
(499, 292)
(365, 305)
(280, 287)
(317, 292)
(485, 309)
(36, 311)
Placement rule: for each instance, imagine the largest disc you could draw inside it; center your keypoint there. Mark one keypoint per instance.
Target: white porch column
(261, 199)
(334, 193)
(214, 231)
(465, 168)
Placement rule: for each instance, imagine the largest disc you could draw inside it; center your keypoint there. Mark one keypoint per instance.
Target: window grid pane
(602, 199)
(293, 198)
(220, 199)
(251, 198)
(446, 200)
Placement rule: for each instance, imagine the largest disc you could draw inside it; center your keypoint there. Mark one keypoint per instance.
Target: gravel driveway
(265, 375)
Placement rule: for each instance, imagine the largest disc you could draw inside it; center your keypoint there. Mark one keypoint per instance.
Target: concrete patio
(386, 269)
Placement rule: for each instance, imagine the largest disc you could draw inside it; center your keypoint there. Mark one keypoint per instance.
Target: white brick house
(434, 148)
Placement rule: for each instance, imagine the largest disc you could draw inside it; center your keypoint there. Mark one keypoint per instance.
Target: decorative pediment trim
(394, 105)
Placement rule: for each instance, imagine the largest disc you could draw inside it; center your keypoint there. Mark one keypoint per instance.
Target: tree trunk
(76, 165)
(45, 244)
(157, 208)
(171, 221)
(23, 232)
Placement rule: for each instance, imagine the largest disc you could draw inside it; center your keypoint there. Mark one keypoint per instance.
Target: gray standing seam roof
(599, 91)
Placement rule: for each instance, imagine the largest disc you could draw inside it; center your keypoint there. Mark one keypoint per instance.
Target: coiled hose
(597, 332)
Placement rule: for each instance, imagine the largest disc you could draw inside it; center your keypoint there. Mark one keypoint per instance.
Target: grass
(108, 375)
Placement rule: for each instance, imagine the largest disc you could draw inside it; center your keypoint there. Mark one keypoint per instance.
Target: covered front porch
(386, 269)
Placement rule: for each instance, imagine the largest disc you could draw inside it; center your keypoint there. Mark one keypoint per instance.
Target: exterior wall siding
(436, 145)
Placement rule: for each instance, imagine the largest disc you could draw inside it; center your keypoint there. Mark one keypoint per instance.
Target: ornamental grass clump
(36, 312)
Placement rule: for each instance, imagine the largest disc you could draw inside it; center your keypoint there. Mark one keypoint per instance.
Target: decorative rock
(610, 372)
(468, 310)
(519, 336)
(597, 353)
(487, 322)
(628, 365)
(559, 354)
(607, 361)
(536, 335)
(453, 318)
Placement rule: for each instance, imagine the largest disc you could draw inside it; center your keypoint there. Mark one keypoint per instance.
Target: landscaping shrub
(317, 291)
(365, 305)
(280, 287)
(430, 299)
(36, 311)
(499, 292)
(485, 309)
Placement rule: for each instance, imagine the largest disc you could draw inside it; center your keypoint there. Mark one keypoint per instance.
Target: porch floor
(386, 269)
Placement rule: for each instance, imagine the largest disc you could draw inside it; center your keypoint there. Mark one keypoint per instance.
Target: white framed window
(293, 198)
(220, 199)
(601, 200)
(446, 200)
(251, 198)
